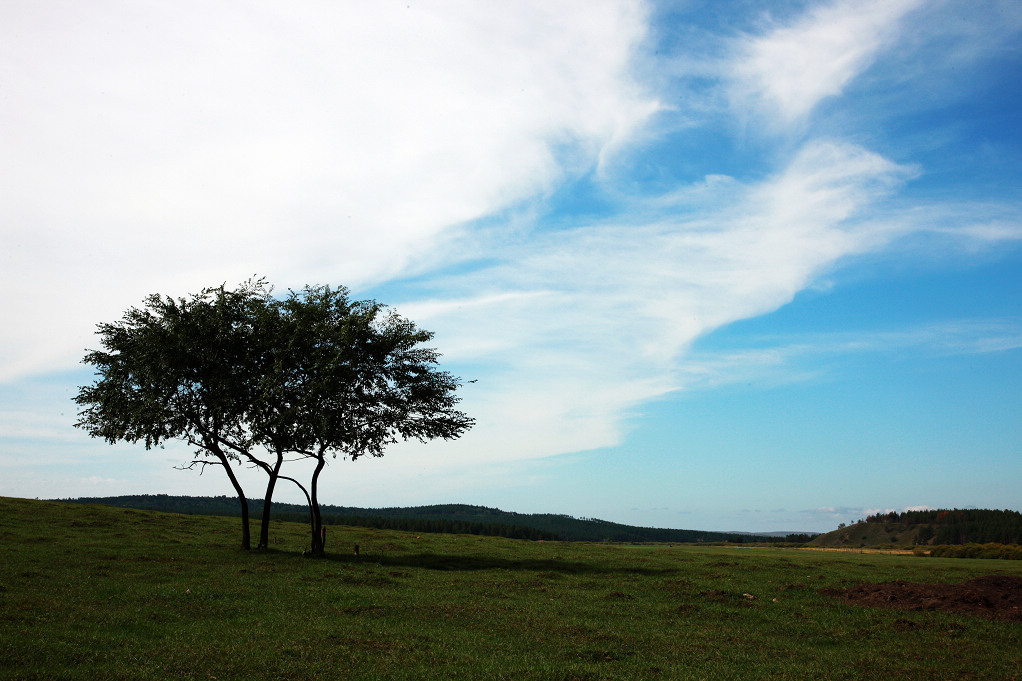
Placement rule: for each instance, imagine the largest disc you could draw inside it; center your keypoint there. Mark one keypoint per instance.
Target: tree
(180, 369)
(350, 378)
(247, 378)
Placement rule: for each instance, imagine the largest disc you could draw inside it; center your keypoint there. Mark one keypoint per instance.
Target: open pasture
(89, 592)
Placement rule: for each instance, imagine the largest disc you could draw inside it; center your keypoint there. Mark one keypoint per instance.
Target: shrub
(989, 550)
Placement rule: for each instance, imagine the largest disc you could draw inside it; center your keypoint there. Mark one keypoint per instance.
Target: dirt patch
(997, 597)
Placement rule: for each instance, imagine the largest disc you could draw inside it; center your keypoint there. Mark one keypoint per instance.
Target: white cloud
(587, 323)
(866, 512)
(96, 480)
(22, 424)
(168, 147)
(777, 361)
(783, 74)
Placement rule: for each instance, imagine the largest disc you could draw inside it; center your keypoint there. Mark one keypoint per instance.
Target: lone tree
(249, 379)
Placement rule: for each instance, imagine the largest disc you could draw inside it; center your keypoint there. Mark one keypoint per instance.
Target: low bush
(989, 550)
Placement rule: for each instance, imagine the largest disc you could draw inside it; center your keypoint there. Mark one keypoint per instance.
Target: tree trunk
(264, 529)
(246, 537)
(318, 539)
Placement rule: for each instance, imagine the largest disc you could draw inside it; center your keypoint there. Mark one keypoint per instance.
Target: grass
(92, 592)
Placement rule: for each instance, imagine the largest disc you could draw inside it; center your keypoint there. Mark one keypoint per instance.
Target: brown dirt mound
(994, 597)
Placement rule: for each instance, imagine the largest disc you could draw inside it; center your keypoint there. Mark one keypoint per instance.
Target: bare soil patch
(997, 597)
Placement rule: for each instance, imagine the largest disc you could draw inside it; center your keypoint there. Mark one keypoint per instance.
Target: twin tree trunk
(315, 518)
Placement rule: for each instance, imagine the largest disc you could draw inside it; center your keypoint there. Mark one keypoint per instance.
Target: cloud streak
(784, 73)
(775, 360)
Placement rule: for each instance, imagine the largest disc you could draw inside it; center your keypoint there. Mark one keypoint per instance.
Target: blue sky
(745, 265)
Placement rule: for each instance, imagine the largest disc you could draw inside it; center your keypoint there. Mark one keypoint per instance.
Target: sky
(721, 266)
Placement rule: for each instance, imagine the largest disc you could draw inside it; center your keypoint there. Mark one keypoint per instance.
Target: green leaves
(176, 369)
(352, 377)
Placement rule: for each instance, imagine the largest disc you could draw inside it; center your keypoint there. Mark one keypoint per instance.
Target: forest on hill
(448, 518)
(937, 527)
(959, 525)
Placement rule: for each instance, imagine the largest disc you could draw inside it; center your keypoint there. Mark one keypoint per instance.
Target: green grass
(91, 592)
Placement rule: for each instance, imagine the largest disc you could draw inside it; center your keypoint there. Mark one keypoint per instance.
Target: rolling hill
(453, 518)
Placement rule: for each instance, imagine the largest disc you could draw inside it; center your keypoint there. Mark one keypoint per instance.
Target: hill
(451, 518)
(934, 527)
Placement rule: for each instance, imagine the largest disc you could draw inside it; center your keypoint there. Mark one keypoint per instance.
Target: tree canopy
(249, 379)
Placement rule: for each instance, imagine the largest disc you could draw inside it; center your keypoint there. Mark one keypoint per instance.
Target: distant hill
(452, 518)
(937, 527)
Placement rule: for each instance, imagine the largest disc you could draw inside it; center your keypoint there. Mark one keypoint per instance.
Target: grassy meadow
(92, 592)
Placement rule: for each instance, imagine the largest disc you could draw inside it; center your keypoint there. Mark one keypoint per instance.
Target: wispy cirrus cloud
(774, 360)
(780, 75)
(589, 322)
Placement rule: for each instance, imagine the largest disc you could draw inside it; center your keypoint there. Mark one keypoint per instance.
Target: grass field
(90, 592)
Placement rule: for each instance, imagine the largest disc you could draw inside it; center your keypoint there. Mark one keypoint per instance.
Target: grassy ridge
(93, 592)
